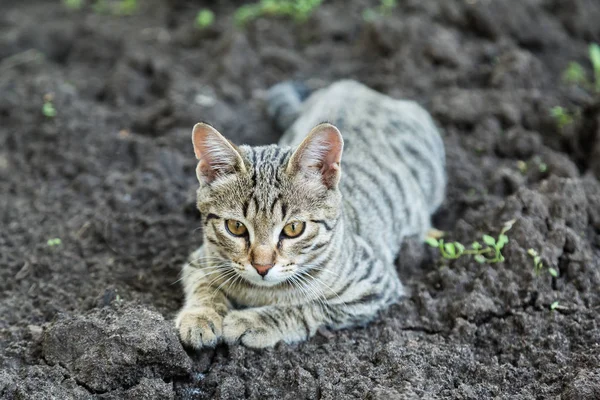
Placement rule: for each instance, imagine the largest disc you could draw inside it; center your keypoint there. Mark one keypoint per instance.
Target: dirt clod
(106, 349)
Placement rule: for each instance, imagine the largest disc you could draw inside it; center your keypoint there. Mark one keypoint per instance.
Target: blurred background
(97, 208)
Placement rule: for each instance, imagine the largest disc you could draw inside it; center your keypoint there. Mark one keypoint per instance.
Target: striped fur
(340, 271)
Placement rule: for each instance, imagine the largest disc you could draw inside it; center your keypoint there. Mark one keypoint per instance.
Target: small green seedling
(383, 10)
(120, 8)
(595, 59)
(554, 305)
(542, 166)
(562, 117)
(73, 4)
(575, 73)
(299, 10)
(523, 166)
(126, 7)
(48, 108)
(204, 19)
(538, 264)
(54, 242)
(488, 252)
(100, 7)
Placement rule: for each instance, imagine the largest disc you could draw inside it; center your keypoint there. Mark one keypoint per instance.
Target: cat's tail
(284, 102)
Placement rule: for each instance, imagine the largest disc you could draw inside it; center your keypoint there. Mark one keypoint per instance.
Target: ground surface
(112, 176)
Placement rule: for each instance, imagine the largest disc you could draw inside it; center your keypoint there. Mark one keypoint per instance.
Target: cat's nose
(262, 269)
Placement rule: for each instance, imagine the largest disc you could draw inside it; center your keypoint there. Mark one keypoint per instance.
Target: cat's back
(393, 164)
(379, 132)
(355, 108)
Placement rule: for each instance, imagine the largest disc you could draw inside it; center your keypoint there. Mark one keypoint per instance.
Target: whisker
(306, 289)
(297, 284)
(205, 272)
(218, 273)
(328, 287)
(317, 292)
(224, 275)
(236, 281)
(177, 281)
(317, 267)
(208, 260)
(215, 267)
(222, 284)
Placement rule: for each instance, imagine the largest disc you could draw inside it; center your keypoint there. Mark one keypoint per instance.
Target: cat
(297, 237)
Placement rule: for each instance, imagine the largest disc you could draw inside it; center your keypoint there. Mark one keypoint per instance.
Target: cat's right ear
(319, 154)
(216, 155)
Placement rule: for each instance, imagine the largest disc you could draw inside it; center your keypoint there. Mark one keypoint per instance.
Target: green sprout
(539, 267)
(48, 108)
(100, 7)
(595, 59)
(54, 242)
(126, 7)
(575, 73)
(542, 166)
(299, 10)
(562, 117)
(538, 264)
(384, 9)
(120, 8)
(488, 252)
(523, 166)
(73, 4)
(204, 18)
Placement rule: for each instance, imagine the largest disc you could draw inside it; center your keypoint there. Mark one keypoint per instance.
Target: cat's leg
(266, 326)
(200, 321)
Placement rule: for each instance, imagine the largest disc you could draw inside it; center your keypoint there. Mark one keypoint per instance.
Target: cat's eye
(236, 228)
(293, 229)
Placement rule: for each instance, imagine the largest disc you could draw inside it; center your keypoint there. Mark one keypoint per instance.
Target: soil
(112, 176)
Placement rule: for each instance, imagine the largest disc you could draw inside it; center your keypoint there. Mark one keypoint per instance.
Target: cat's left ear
(319, 154)
(216, 155)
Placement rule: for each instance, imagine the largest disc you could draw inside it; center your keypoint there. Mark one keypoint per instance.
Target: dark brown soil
(112, 176)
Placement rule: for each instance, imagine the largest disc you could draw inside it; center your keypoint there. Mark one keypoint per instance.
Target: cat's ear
(216, 155)
(319, 154)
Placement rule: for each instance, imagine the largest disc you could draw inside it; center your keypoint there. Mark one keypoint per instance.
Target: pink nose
(262, 269)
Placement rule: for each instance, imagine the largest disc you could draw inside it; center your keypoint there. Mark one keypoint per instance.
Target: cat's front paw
(199, 327)
(247, 327)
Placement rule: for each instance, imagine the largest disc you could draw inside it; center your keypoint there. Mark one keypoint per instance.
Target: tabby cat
(297, 237)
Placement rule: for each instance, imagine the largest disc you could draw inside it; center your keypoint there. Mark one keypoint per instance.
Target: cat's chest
(251, 296)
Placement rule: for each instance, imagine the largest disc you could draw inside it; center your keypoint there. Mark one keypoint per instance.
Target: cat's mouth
(275, 275)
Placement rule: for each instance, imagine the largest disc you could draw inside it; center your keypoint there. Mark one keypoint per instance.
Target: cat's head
(269, 212)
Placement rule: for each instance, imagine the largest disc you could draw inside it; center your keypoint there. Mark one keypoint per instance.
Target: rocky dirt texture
(111, 175)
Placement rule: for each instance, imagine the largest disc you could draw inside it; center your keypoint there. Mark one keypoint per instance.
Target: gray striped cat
(297, 237)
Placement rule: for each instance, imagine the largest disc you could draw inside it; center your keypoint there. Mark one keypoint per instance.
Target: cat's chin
(262, 282)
